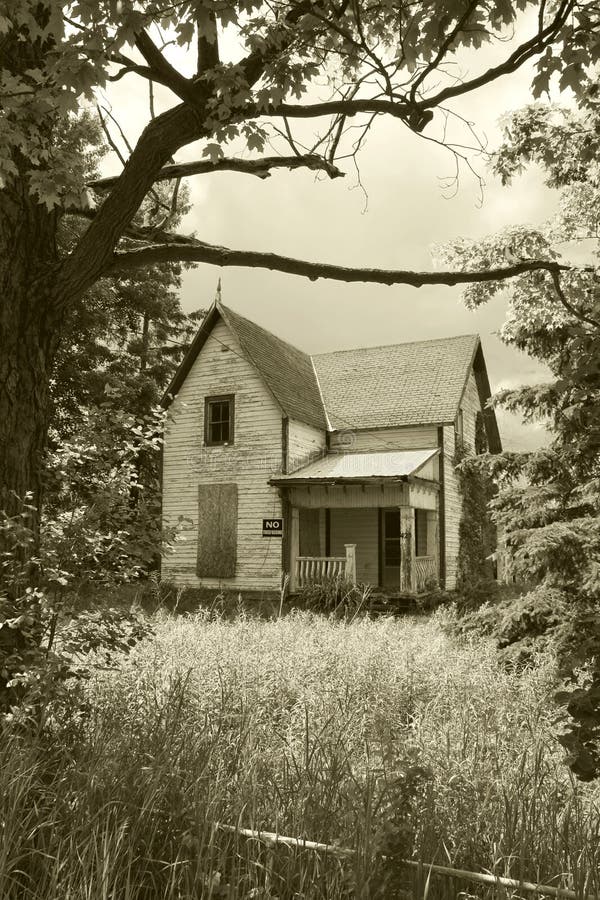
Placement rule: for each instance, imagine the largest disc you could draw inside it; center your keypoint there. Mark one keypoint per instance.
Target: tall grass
(384, 736)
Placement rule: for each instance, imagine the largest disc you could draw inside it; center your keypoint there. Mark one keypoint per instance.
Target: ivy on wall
(477, 532)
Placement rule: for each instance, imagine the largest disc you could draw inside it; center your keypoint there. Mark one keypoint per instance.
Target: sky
(392, 223)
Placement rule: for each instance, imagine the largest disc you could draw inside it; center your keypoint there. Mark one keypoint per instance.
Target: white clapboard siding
(431, 470)
(418, 437)
(252, 459)
(305, 443)
(360, 527)
(452, 507)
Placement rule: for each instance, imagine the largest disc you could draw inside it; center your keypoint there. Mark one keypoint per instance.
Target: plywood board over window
(217, 530)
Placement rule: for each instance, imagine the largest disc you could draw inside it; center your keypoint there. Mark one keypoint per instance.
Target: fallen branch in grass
(271, 838)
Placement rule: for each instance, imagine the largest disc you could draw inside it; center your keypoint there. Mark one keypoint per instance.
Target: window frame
(208, 401)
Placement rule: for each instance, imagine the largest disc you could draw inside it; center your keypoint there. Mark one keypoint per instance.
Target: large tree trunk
(29, 338)
(29, 319)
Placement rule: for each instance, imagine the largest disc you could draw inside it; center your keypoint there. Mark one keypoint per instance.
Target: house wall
(417, 437)
(431, 470)
(305, 443)
(360, 527)
(470, 406)
(452, 507)
(254, 457)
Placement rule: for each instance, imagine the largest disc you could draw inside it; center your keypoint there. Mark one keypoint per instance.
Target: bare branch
(569, 306)
(160, 139)
(524, 51)
(162, 70)
(143, 71)
(112, 143)
(258, 167)
(443, 49)
(129, 65)
(185, 249)
(346, 108)
(124, 137)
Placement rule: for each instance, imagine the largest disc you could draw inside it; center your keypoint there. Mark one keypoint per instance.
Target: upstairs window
(218, 420)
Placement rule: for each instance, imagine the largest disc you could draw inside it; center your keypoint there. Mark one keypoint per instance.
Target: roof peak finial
(218, 292)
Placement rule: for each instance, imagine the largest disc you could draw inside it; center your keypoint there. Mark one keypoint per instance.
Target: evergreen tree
(548, 506)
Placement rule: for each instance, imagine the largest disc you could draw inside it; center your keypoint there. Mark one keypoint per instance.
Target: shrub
(521, 626)
(335, 595)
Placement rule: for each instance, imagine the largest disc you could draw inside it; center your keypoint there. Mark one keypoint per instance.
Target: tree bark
(29, 339)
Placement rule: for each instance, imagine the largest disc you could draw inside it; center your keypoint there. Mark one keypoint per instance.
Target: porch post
(294, 547)
(350, 562)
(407, 550)
(433, 540)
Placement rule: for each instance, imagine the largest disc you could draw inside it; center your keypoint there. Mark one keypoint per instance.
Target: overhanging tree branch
(193, 120)
(346, 108)
(158, 143)
(524, 51)
(261, 168)
(162, 69)
(183, 249)
(569, 306)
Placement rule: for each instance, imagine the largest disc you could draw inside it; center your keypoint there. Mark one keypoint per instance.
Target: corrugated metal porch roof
(360, 466)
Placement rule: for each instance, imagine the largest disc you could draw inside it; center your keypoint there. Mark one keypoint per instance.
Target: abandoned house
(283, 467)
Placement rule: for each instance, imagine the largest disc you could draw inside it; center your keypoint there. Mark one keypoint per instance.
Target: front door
(390, 549)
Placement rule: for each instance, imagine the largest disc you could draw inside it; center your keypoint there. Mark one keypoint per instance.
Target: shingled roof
(417, 383)
(420, 383)
(287, 371)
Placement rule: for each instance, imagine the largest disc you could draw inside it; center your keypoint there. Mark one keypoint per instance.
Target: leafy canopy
(58, 54)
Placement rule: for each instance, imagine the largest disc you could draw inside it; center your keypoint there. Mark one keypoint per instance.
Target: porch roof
(360, 467)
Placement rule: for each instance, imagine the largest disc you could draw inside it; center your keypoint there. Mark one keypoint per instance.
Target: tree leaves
(548, 505)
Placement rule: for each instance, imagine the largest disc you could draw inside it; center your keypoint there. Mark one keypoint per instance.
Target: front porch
(364, 523)
(395, 549)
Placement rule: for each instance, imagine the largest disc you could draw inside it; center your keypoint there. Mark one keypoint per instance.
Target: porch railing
(314, 569)
(426, 573)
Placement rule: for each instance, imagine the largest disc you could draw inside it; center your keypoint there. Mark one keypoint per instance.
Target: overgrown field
(386, 736)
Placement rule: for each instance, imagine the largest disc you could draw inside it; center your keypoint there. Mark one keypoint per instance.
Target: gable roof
(420, 383)
(417, 383)
(287, 371)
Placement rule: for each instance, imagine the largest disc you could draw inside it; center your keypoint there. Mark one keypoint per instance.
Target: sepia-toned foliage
(548, 506)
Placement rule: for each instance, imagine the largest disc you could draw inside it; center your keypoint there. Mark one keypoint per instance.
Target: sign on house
(272, 528)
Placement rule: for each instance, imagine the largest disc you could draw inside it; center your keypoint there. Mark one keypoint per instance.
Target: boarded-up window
(421, 532)
(217, 530)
